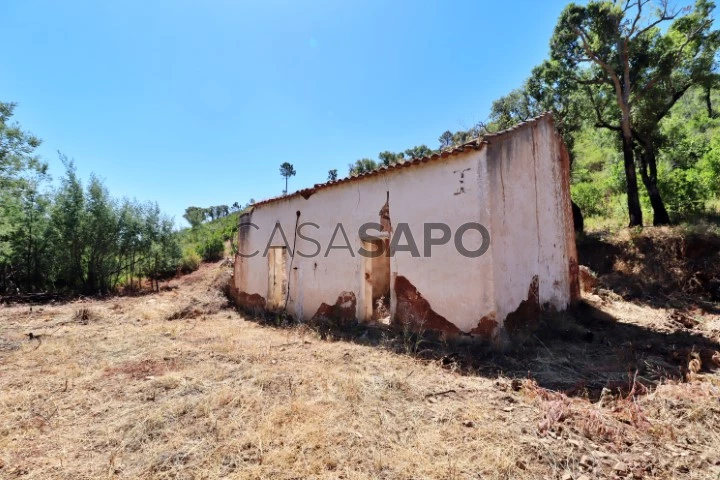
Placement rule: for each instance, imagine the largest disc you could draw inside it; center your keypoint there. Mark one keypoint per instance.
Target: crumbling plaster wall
(531, 225)
(517, 186)
(457, 288)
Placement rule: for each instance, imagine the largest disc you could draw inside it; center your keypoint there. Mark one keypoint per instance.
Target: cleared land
(177, 385)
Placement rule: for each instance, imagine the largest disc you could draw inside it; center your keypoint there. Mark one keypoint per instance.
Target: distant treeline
(197, 215)
(77, 238)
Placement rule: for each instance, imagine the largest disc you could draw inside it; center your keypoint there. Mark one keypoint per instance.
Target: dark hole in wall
(377, 270)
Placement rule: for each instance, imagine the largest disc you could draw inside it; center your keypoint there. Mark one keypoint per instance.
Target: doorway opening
(277, 277)
(377, 281)
(377, 270)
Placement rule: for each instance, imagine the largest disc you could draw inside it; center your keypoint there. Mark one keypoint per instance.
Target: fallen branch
(439, 394)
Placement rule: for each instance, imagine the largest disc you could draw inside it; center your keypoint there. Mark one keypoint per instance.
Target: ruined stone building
(477, 239)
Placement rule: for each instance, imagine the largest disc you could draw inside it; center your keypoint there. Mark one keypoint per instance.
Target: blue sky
(199, 102)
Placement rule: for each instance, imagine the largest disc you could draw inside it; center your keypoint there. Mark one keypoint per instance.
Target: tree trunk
(649, 162)
(633, 197)
(708, 102)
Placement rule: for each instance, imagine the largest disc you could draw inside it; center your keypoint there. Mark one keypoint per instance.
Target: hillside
(208, 241)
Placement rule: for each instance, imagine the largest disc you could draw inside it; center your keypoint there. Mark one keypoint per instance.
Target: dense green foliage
(197, 215)
(207, 240)
(76, 237)
(362, 165)
(212, 249)
(688, 165)
(616, 73)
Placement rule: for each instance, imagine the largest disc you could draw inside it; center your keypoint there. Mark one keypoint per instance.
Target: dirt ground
(178, 385)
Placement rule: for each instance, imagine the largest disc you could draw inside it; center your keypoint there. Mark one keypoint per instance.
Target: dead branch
(664, 16)
(440, 394)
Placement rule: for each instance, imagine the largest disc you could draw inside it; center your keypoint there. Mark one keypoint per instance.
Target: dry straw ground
(177, 385)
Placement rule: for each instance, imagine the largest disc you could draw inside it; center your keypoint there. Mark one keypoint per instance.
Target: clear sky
(199, 102)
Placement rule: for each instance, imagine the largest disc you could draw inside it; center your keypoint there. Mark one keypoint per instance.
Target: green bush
(190, 261)
(197, 239)
(590, 197)
(212, 249)
(685, 190)
(710, 167)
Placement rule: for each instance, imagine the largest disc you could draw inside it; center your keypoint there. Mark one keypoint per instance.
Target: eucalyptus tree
(68, 219)
(17, 163)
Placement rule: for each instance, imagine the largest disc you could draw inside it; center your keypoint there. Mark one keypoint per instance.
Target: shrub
(590, 198)
(685, 190)
(212, 249)
(190, 261)
(710, 167)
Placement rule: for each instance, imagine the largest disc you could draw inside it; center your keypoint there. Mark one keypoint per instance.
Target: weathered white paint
(530, 218)
(515, 186)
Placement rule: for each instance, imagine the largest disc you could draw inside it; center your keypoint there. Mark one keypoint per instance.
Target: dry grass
(131, 394)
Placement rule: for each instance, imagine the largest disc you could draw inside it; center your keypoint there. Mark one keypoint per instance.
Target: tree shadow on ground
(581, 353)
(59, 298)
(656, 267)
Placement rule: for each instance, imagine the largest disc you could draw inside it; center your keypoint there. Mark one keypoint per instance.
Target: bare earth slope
(177, 385)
